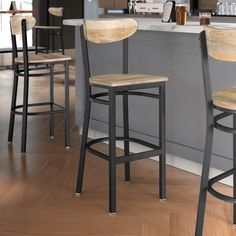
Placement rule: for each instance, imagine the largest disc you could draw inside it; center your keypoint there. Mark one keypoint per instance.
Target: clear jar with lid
(219, 8)
(233, 9)
(227, 8)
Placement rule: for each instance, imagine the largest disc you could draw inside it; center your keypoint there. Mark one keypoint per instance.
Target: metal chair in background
(35, 65)
(55, 30)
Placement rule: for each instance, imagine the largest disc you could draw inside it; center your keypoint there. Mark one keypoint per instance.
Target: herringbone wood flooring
(37, 190)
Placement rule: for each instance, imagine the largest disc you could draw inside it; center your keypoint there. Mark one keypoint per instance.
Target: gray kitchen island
(169, 50)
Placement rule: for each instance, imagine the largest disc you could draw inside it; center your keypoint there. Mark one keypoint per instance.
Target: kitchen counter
(155, 24)
(170, 50)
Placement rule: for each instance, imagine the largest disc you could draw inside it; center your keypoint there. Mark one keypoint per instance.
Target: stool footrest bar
(39, 74)
(132, 157)
(55, 109)
(98, 153)
(135, 93)
(221, 127)
(216, 179)
(135, 140)
(138, 156)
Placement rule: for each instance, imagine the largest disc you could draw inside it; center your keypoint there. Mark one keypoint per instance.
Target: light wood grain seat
(43, 58)
(115, 80)
(225, 98)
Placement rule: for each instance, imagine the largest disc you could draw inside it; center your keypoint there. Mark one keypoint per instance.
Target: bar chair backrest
(105, 31)
(56, 11)
(108, 31)
(56, 16)
(221, 43)
(19, 26)
(16, 26)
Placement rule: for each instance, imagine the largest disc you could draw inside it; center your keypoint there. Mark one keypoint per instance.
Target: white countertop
(155, 24)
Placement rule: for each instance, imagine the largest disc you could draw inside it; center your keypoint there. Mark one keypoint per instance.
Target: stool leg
(112, 152)
(13, 104)
(53, 41)
(126, 135)
(36, 40)
(67, 106)
(51, 117)
(83, 144)
(62, 42)
(234, 165)
(48, 35)
(205, 173)
(162, 139)
(25, 112)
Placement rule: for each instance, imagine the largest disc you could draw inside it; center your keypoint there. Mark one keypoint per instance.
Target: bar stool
(56, 16)
(31, 65)
(220, 45)
(110, 31)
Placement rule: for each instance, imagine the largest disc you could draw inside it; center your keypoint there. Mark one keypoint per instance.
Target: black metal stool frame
(213, 122)
(111, 102)
(50, 33)
(26, 73)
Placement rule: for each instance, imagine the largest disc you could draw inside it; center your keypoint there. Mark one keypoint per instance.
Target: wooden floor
(37, 190)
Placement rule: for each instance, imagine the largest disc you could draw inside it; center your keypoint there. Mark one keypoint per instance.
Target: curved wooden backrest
(221, 43)
(108, 31)
(56, 11)
(15, 22)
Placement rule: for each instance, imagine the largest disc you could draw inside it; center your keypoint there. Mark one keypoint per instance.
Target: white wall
(91, 9)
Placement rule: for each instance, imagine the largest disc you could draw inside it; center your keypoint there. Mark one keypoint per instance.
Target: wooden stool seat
(225, 98)
(116, 80)
(43, 58)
